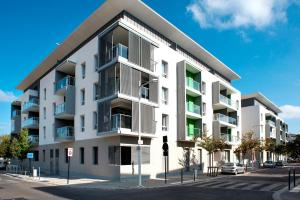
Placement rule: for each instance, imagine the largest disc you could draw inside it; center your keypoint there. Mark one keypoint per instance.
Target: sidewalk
(285, 194)
(112, 185)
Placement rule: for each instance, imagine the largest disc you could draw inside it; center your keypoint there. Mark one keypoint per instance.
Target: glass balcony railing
(120, 121)
(61, 108)
(193, 84)
(33, 121)
(193, 108)
(227, 137)
(145, 93)
(31, 103)
(224, 118)
(16, 113)
(226, 100)
(270, 122)
(34, 139)
(196, 132)
(63, 83)
(65, 133)
(115, 51)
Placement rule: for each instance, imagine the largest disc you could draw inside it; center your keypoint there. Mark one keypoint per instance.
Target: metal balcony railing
(193, 131)
(34, 139)
(226, 100)
(120, 121)
(65, 133)
(225, 118)
(115, 51)
(31, 103)
(63, 83)
(61, 108)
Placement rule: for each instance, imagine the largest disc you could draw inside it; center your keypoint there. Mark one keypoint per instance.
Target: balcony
(61, 112)
(193, 87)
(34, 139)
(193, 110)
(270, 122)
(225, 119)
(120, 121)
(145, 93)
(226, 100)
(15, 113)
(116, 51)
(31, 123)
(65, 133)
(193, 132)
(62, 85)
(31, 106)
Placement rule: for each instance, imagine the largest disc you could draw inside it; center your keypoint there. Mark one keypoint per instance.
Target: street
(258, 185)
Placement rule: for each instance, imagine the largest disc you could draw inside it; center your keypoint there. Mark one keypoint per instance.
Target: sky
(259, 40)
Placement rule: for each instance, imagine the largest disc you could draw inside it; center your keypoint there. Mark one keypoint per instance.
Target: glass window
(82, 123)
(95, 120)
(96, 93)
(53, 108)
(44, 112)
(204, 128)
(82, 96)
(95, 155)
(45, 93)
(44, 155)
(164, 96)
(204, 109)
(51, 153)
(164, 69)
(83, 68)
(66, 156)
(81, 155)
(165, 122)
(44, 132)
(96, 62)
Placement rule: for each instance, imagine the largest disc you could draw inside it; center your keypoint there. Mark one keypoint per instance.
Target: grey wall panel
(17, 124)
(104, 116)
(181, 119)
(145, 54)
(216, 129)
(136, 78)
(134, 48)
(215, 92)
(277, 131)
(70, 100)
(135, 117)
(153, 90)
(125, 80)
(267, 130)
(147, 119)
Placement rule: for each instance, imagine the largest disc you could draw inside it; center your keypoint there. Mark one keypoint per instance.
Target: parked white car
(233, 168)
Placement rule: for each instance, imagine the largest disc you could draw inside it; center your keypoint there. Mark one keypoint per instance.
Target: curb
(277, 195)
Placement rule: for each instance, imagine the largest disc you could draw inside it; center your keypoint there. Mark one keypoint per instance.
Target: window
(237, 104)
(164, 69)
(96, 62)
(44, 112)
(95, 121)
(44, 155)
(44, 132)
(95, 155)
(164, 96)
(51, 153)
(54, 108)
(82, 122)
(203, 109)
(203, 87)
(261, 117)
(36, 156)
(114, 155)
(165, 122)
(66, 156)
(204, 128)
(238, 136)
(227, 156)
(82, 96)
(83, 67)
(96, 93)
(45, 93)
(81, 155)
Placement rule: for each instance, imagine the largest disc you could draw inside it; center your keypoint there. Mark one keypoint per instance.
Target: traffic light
(165, 146)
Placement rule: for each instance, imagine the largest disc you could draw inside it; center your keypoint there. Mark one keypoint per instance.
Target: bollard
(294, 177)
(39, 173)
(194, 175)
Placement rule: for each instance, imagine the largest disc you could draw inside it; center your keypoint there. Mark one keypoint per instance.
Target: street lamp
(139, 132)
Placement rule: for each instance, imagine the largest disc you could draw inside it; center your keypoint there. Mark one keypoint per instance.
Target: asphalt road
(260, 185)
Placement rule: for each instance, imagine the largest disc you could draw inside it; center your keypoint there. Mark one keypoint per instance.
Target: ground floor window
(36, 156)
(127, 155)
(95, 155)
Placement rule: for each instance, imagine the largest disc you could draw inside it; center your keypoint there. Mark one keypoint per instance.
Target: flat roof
(264, 100)
(140, 10)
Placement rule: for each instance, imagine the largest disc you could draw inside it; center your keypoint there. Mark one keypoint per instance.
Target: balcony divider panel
(153, 88)
(125, 80)
(135, 117)
(134, 48)
(104, 116)
(181, 101)
(145, 54)
(136, 78)
(215, 92)
(216, 129)
(147, 119)
(70, 100)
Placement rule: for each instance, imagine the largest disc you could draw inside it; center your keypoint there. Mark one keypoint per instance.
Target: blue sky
(258, 39)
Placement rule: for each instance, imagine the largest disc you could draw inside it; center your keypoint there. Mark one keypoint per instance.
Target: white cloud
(226, 14)
(290, 112)
(7, 96)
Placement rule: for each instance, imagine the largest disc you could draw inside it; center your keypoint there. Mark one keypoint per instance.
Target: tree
(293, 148)
(270, 145)
(5, 142)
(20, 146)
(249, 144)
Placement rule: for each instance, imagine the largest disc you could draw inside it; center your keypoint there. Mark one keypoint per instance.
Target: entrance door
(56, 161)
(51, 161)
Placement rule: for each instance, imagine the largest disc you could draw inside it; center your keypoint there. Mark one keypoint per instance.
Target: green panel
(190, 127)
(229, 134)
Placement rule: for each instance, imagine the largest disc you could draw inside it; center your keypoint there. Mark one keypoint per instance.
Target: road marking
(208, 184)
(270, 187)
(251, 186)
(224, 184)
(236, 185)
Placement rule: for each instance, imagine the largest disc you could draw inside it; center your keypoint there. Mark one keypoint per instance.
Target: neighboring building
(260, 115)
(85, 95)
(291, 137)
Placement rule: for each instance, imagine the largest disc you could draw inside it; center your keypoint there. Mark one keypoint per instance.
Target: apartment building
(260, 116)
(86, 95)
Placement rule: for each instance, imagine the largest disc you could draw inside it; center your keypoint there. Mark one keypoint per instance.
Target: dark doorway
(125, 155)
